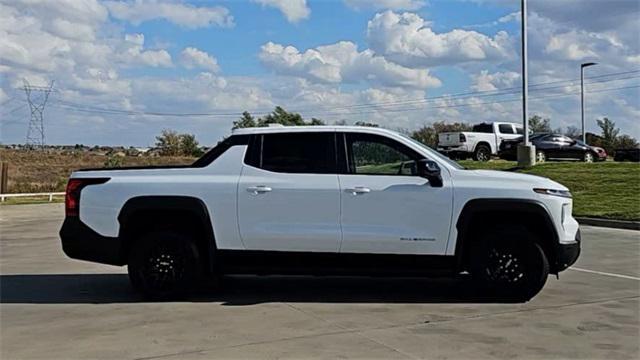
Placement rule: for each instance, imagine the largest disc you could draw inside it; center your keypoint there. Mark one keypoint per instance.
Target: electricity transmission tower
(35, 133)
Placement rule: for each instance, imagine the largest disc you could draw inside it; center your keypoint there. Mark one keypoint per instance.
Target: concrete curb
(618, 224)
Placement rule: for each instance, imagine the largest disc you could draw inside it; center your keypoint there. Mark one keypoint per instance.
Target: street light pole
(582, 66)
(526, 151)
(525, 74)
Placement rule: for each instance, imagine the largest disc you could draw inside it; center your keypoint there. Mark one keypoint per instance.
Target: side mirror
(430, 170)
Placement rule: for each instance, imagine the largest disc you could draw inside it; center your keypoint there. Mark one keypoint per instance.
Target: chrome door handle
(359, 190)
(260, 189)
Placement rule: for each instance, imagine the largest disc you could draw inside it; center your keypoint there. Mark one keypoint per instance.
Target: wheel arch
(485, 143)
(477, 214)
(145, 213)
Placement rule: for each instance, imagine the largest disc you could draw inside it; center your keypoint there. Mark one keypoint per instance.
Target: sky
(123, 71)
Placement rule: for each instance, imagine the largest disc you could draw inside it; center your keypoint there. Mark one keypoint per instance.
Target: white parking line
(605, 273)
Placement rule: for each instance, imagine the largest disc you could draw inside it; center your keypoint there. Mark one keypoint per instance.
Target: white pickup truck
(321, 200)
(480, 143)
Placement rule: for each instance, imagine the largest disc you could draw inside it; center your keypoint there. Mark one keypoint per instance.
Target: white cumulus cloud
(185, 15)
(133, 53)
(408, 40)
(342, 62)
(293, 10)
(485, 81)
(194, 58)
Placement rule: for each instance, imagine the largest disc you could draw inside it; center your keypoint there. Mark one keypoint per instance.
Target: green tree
(278, 116)
(593, 139)
(281, 116)
(626, 142)
(189, 145)
(441, 126)
(537, 124)
(572, 132)
(364, 123)
(169, 143)
(246, 121)
(609, 134)
(316, 122)
(426, 135)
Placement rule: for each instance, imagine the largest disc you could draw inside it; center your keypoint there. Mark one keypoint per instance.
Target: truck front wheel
(164, 265)
(482, 153)
(511, 265)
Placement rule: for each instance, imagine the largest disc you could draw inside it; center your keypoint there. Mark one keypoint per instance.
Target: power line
(472, 104)
(367, 111)
(92, 109)
(20, 107)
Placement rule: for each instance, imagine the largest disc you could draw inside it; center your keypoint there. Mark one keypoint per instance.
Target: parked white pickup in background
(480, 143)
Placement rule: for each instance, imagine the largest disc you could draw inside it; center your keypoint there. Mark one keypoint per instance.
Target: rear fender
(194, 207)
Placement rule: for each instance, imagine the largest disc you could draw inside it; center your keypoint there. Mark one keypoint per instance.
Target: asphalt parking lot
(52, 307)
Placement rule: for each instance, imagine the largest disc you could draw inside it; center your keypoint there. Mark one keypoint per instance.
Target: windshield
(434, 153)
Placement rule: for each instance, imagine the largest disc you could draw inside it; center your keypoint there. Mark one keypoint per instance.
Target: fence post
(50, 197)
(4, 178)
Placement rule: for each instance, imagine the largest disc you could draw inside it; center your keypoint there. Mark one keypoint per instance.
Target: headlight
(561, 193)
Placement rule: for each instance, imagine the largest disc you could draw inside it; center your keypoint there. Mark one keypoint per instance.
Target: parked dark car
(552, 147)
(627, 155)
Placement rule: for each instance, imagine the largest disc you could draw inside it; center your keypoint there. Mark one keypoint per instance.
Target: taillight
(72, 196)
(463, 138)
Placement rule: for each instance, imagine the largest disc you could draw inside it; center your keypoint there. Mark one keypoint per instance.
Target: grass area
(604, 190)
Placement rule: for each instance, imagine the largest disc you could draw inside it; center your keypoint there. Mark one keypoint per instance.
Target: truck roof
(318, 128)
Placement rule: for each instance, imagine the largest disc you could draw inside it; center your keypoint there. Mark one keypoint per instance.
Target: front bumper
(80, 242)
(568, 253)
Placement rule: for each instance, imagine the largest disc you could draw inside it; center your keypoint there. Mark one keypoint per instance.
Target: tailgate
(449, 139)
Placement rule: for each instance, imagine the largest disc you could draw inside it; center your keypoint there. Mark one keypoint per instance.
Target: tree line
(171, 143)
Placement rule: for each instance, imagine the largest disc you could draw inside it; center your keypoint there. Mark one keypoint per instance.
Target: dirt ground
(44, 171)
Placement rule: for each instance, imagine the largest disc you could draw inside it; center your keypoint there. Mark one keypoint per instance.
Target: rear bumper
(457, 148)
(568, 253)
(80, 242)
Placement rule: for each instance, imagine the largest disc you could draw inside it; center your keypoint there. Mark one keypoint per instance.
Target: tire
(165, 265)
(588, 157)
(541, 157)
(482, 153)
(510, 265)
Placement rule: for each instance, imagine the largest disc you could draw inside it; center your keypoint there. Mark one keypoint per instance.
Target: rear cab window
(294, 152)
(483, 128)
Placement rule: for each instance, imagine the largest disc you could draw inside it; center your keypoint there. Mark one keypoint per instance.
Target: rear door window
(311, 153)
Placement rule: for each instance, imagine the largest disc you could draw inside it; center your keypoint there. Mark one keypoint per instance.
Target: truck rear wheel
(482, 153)
(511, 265)
(164, 265)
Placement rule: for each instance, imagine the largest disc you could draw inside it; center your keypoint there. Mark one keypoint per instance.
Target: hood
(510, 179)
